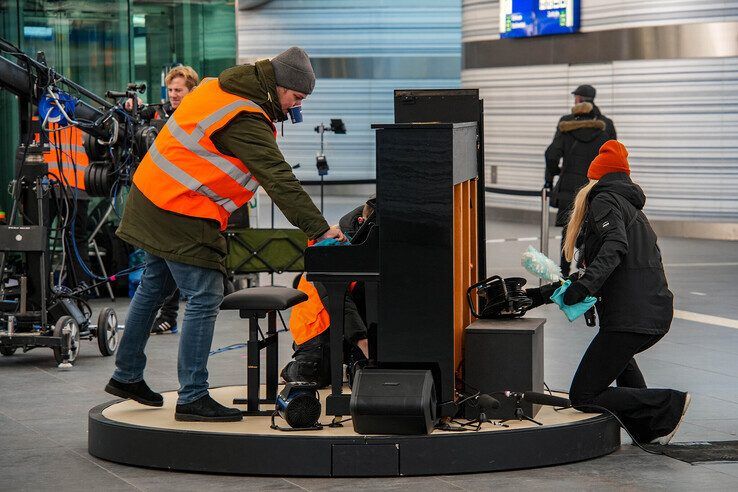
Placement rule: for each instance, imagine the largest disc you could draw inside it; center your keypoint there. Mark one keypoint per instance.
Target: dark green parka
(197, 241)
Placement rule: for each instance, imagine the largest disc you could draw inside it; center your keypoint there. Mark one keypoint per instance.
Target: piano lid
(423, 125)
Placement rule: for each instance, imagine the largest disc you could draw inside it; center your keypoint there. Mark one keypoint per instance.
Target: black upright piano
(417, 260)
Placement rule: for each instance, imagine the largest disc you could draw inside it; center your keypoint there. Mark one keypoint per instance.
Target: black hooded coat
(578, 139)
(622, 260)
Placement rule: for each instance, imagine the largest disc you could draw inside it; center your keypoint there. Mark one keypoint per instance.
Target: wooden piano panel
(465, 260)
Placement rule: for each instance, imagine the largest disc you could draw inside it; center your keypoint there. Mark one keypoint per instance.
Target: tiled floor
(43, 412)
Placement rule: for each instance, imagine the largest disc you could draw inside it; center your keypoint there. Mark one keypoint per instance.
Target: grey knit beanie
(292, 70)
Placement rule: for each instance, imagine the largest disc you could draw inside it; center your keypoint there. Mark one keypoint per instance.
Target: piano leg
(371, 294)
(337, 403)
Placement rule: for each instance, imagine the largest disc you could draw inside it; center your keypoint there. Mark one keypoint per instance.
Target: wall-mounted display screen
(527, 18)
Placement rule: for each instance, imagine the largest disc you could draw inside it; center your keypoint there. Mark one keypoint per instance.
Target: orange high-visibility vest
(310, 318)
(183, 172)
(67, 143)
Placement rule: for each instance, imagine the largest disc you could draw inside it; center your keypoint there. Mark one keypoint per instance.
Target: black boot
(205, 409)
(311, 364)
(139, 392)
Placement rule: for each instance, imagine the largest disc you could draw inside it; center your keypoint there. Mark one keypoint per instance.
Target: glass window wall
(104, 44)
(199, 34)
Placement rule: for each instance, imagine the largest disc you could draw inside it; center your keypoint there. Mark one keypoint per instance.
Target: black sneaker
(139, 392)
(164, 325)
(206, 409)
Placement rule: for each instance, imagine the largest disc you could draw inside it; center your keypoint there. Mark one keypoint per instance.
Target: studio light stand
(321, 162)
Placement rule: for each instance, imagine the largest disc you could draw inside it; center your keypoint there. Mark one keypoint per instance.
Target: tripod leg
(529, 419)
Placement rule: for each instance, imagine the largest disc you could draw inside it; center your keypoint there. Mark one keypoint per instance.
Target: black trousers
(646, 413)
(171, 306)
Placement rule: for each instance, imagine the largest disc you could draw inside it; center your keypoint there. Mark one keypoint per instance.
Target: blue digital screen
(38, 32)
(528, 18)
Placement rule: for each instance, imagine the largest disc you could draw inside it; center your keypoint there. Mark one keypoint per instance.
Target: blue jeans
(203, 289)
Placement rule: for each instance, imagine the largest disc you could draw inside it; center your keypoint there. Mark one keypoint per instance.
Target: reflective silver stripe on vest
(75, 182)
(203, 125)
(75, 148)
(65, 149)
(67, 166)
(240, 177)
(188, 181)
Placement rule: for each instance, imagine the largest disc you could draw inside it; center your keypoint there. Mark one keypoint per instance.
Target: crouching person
(309, 325)
(310, 322)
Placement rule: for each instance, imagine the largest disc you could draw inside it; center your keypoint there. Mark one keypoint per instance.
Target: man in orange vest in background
(67, 161)
(208, 160)
(180, 81)
(309, 320)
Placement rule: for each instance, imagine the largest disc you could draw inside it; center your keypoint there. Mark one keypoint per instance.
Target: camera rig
(116, 139)
(32, 312)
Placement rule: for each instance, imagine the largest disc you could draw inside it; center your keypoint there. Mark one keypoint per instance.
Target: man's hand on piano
(332, 233)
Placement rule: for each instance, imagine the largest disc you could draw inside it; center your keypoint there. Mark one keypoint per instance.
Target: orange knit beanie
(613, 158)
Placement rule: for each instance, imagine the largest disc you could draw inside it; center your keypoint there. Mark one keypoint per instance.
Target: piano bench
(252, 304)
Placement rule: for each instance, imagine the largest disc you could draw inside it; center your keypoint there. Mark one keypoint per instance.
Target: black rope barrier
(507, 191)
(338, 182)
(488, 189)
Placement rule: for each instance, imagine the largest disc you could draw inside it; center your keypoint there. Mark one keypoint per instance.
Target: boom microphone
(540, 398)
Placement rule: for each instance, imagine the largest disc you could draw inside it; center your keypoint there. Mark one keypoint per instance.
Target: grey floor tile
(405, 483)
(57, 469)
(726, 426)
(180, 482)
(725, 468)
(627, 469)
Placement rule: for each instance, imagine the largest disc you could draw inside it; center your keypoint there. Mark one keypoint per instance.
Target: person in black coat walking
(622, 267)
(578, 137)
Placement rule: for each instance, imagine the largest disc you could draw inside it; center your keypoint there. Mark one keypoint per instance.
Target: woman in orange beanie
(622, 267)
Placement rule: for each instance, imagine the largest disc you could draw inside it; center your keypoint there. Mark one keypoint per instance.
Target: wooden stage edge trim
(345, 453)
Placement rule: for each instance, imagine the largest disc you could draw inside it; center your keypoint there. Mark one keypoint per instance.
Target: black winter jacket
(622, 261)
(578, 139)
(609, 125)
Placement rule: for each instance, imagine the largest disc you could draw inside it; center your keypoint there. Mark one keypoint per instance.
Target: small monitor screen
(528, 18)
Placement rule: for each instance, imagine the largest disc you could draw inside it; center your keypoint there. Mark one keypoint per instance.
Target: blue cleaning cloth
(331, 242)
(575, 310)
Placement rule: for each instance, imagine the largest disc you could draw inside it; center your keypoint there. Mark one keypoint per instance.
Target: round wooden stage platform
(125, 432)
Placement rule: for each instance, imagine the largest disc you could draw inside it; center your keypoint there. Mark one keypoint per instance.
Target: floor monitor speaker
(393, 401)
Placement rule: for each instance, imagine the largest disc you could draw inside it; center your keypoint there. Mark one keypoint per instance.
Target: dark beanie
(613, 158)
(292, 70)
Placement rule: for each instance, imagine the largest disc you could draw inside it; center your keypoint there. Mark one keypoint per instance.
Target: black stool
(255, 303)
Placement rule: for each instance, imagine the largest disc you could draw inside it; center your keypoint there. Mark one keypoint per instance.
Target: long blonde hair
(576, 219)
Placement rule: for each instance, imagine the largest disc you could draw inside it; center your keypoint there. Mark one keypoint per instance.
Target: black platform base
(128, 433)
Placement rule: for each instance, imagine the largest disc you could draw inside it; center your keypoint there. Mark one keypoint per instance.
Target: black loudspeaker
(500, 354)
(393, 401)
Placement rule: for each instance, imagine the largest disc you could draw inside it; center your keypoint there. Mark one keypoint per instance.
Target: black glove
(548, 185)
(575, 294)
(542, 295)
(547, 291)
